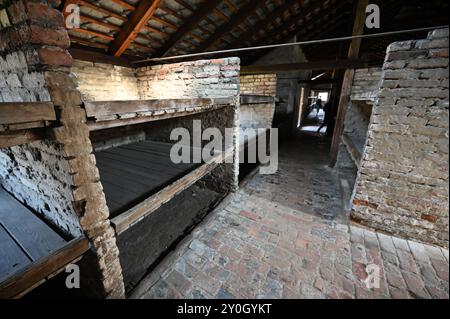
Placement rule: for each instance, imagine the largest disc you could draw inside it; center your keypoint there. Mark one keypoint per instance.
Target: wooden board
(12, 257)
(132, 172)
(30, 251)
(13, 113)
(13, 138)
(125, 220)
(36, 238)
(37, 272)
(100, 110)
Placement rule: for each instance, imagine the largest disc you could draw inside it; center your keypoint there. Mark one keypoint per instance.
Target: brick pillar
(403, 184)
(36, 28)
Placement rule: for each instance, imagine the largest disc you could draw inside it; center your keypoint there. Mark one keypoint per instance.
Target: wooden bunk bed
(139, 178)
(30, 251)
(152, 201)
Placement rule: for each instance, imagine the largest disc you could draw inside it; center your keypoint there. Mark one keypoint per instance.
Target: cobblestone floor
(285, 236)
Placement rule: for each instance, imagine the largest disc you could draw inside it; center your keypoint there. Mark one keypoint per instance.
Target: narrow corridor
(287, 236)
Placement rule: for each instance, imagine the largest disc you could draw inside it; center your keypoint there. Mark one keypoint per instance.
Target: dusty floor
(286, 236)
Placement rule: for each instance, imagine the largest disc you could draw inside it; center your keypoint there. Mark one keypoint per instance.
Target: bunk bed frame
(113, 114)
(31, 251)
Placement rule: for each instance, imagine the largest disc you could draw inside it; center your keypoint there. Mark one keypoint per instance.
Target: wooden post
(353, 53)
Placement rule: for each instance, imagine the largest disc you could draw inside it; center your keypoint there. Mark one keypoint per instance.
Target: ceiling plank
(191, 23)
(246, 11)
(144, 11)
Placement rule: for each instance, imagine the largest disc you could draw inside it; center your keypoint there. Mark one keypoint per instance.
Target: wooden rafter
(191, 23)
(246, 11)
(144, 11)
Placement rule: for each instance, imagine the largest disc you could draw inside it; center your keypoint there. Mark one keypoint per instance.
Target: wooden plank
(108, 108)
(23, 112)
(191, 23)
(41, 269)
(138, 170)
(95, 126)
(140, 211)
(33, 235)
(9, 139)
(314, 65)
(353, 53)
(144, 11)
(12, 258)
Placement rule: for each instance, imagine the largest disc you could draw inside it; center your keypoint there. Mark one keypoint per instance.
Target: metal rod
(272, 46)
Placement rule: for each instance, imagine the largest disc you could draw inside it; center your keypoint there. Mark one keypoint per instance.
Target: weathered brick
(54, 56)
(44, 15)
(52, 37)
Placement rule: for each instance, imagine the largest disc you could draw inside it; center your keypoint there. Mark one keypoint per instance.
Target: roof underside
(146, 29)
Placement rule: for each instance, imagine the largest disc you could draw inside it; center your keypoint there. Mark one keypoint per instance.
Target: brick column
(36, 30)
(403, 184)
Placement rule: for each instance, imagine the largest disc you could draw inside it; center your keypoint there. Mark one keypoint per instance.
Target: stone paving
(286, 236)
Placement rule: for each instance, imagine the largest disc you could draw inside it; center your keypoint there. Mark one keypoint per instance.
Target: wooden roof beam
(191, 23)
(138, 19)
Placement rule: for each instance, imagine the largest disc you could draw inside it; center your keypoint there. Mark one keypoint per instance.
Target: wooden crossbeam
(353, 53)
(144, 11)
(191, 23)
(246, 11)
